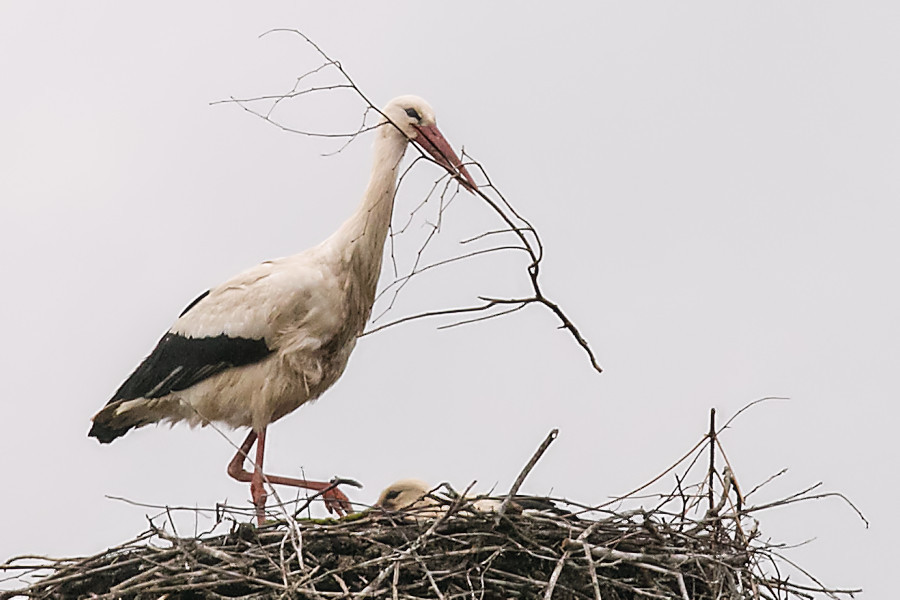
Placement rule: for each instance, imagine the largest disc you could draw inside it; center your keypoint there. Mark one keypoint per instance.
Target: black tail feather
(108, 425)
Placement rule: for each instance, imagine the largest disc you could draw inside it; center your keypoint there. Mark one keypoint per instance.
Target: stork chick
(414, 496)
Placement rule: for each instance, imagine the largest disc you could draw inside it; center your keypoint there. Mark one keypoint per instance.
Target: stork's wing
(234, 324)
(178, 362)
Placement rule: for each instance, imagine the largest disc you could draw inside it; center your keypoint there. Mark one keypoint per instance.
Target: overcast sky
(717, 189)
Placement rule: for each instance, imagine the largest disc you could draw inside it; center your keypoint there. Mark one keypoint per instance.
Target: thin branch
(513, 222)
(524, 473)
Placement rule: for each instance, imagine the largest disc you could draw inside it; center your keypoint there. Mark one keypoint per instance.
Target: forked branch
(516, 234)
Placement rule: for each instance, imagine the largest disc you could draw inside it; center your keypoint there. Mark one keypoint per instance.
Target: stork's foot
(336, 501)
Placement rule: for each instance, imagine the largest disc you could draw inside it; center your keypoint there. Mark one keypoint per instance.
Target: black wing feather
(178, 362)
(194, 303)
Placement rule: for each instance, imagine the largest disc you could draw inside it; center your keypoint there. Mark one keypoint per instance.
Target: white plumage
(279, 334)
(296, 306)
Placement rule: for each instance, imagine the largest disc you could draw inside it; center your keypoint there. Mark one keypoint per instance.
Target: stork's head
(415, 119)
(406, 493)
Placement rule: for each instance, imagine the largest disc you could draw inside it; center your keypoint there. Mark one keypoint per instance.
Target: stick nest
(455, 552)
(695, 542)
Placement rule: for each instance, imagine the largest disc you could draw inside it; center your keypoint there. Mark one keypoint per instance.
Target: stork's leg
(257, 489)
(335, 500)
(236, 470)
(236, 466)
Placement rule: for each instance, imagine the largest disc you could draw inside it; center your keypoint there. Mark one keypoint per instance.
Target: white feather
(300, 291)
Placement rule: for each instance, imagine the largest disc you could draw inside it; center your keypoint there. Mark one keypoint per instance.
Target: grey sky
(716, 186)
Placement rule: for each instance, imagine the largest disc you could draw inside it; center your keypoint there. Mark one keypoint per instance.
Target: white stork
(276, 336)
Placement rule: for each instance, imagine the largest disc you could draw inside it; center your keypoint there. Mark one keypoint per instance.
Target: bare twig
(513, 223)
(524, 473)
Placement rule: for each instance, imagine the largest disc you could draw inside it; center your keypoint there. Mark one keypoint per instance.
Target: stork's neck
(358, 245)
(365, 231)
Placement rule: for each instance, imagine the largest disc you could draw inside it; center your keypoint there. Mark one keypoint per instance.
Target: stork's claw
(337, 501)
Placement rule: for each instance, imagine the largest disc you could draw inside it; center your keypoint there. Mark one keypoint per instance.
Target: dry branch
(515, 234)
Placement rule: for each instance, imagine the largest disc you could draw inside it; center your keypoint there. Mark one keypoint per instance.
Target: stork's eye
(412, 113)
(394, 493)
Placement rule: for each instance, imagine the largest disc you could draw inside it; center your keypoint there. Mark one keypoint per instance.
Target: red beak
(434, 143)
